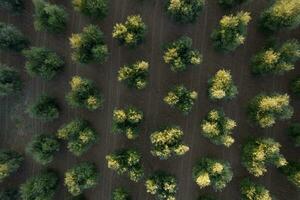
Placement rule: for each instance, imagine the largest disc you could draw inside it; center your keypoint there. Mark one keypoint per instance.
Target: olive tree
(120, 194)
(292, 172)
(42, 62)
(162, 185)
(168, 142)
(265, 109)
(126, 162)
(81, 177)
(295, 86)
(79, 135)
(230, 3)
(15, 6)
(97, 9)
(253, 191)
(42, 148)
(232, 31)
(179, 54)
(10, 162)
(10, 81)
(294, 133)
(126, 121)
(258, 153)
(89, 46)
(130, 33)
(212, 172)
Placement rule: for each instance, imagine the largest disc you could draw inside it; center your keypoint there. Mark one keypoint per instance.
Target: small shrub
(15, 6)
(84, 94)
(181, 98)
(120, 194)
(126, 162)
(93, 8)
(42, 62)
(162, 185)
(10, 81)
(42, 148)
(218, 128)
(294, 133)
(295, 86)
(79, 136)
(212, 172)
(292, 171)
(168, 142)
(126, 121)
(253, 191)
(81, 177)
(180, 54)
(232, 31)
(10, 162)
(132, 32)
(45, 108)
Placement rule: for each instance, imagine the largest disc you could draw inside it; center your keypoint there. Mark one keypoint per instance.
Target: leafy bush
(184, 11)
(10, 194)
(162, 185)
(295, 86)
(230, 3)
(253, 191)
(93, 8)
(218, 128)
(10, 162)
(42, 148)
(181, 98)
(126, 121)
(179, 54)
(132, 32)
(212, 172)
(12, 5)
(49, 17)
(232, 31)
(81, 177)
(277, 60)
(221, 86)
(134, 75)
(79, 136)
(292, 171)
(120, 194)
(168, 142)
(264, 109)
(294, 133)
(282, 14)
(128, 162)
(11, 38)
(84, 94)
(42, 62)
(257, 153)
(89, 46)
(10, 81)
(45, 108)
(41, 186)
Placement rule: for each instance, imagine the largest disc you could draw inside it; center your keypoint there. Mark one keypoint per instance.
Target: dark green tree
(120, 194)
(10, 162)
(294, 133)
(9, 194)
(206, 197)
(295, 86)
(10, 81)
(292, 172)
(16, 6)
(93, 8)
(230, 3)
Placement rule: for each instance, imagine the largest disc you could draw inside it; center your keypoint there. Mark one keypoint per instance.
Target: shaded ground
(17, 128)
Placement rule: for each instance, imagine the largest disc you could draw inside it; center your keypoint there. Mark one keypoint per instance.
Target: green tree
(212, 172)
(264, 109)
(230, 3)
(218, 128)
(168, 142)
(49, 17)
(134, 75)
(42, 62)
(93, 8)
(9, 194)
(44, 108)
(253, 191)
(181, 98)
(292, 171)
(10, 162)
(89, 46)
(42, 148)
(42, 186)
(132, 32)
(162, 185)
(179, 54)
(16, 6)
(294, 133)
(81, 177)
(281, 14)
(221, 86)
(79, 134)
(257, 153)
(120, 194)
(84, 94)
(11, 38)
(184, 11)
(276, 60)
(295, 86)
(10, 81)
(206, 197)
(232, 31)
(126, 121)
(126, 161)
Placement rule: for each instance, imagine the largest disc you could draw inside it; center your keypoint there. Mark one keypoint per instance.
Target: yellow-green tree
(253, 191)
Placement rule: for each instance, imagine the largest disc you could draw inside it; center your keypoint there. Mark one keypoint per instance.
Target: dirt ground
(17, 129)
